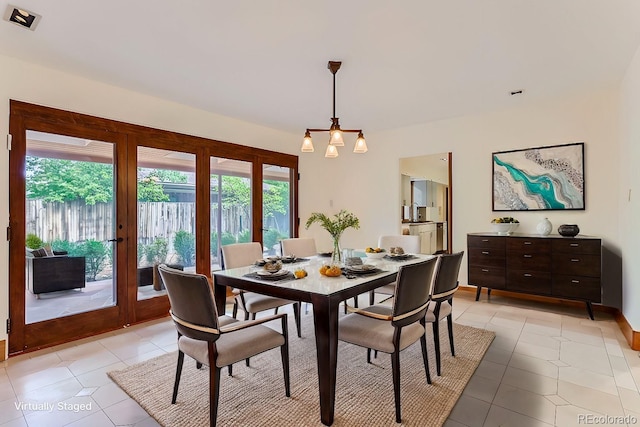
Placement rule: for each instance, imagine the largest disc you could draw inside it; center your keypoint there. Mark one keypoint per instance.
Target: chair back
(193, 308)
(300, 247)
(445, 282)
(240, 254)
(413, 292)
(410, 244)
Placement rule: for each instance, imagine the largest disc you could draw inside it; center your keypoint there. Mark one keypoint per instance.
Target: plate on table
(361, 269)
(399, 257)
(264, 274)
(288, 259)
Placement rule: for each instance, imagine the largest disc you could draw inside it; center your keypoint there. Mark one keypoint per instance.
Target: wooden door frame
(23, 337)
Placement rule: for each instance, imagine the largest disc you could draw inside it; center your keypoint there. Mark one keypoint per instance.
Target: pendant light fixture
(335, 133)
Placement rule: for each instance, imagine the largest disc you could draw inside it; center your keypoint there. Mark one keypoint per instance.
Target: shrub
(184, 244)
(95, 254)
(33, 241)
(228, 238)
(244, 236)
(71, 248)
(271, 238)
(157, 251)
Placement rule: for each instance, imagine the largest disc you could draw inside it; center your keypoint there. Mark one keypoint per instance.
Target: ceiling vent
(22, 17)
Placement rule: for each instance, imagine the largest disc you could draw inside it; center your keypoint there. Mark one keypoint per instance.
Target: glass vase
(336, 256)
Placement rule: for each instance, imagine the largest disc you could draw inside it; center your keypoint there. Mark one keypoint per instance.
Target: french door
(67, 228)
(95, 205)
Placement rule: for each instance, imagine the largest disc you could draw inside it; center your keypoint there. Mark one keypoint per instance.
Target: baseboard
(3, 350)
(632, 337)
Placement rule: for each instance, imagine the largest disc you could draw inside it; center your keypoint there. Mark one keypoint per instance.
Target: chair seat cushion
(255, 303)
(376, 334)
(233, 346)
(445, 310)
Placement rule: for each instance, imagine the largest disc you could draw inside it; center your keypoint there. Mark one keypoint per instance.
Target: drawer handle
(527, 275)
(485, 252)
(528, 256)
(575, 281)
(485, 240)
(574, 244)
(575, 260)
(527, 243)
(484, 270)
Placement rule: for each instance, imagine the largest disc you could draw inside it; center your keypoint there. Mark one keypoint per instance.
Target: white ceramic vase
(544, 227)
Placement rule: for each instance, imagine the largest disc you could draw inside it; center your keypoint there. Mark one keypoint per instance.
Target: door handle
(119, 239)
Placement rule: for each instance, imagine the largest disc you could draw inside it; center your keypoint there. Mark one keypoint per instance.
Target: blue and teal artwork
(541, 178)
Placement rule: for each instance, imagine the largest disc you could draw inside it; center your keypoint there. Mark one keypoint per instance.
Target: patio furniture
(55, 273)
(145, 276)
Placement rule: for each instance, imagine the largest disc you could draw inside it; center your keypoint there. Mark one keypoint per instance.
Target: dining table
(325, 294)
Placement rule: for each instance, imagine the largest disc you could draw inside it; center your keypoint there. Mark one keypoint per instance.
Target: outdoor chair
(444, 286)
(392, 329)
(410, 245)
(204, 337)
(244, 254)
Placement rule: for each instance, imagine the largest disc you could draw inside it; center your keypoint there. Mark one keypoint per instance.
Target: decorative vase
(544, 227)
(336, 256)
(568, 230)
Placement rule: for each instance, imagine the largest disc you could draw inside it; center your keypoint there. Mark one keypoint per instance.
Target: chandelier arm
(329, 130)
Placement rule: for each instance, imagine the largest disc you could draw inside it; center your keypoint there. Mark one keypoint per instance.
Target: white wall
(630, 182)
(30, 83)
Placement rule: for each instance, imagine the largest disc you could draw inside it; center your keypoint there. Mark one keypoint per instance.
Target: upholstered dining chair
(212, 341)
(445, 284)
(299, 246)
(244, 254)
(392, 329)
(409, 243)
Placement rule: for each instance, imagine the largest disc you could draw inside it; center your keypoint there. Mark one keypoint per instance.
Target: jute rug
(254, 396)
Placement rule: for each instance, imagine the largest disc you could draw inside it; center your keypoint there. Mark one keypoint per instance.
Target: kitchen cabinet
(428, 237)
(555, 266)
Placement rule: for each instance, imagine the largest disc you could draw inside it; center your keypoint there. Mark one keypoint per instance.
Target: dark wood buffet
(554, 266)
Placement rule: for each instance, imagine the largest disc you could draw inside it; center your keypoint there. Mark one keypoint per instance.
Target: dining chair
(203, 336)
(392, 329)
(244, 254)
(445, 284)
(409, 243)
(299, 246)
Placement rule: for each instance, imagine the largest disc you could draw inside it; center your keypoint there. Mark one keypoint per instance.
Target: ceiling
(404, 63)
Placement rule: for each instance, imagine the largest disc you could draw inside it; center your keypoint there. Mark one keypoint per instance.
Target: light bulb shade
(361, 144)
(307, 143)
(331, 152)
(336, 138)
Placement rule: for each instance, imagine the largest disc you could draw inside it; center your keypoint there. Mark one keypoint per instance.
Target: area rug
(255, 395)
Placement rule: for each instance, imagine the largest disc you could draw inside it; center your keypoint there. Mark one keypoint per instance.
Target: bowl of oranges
(374, 253)
(330, 270)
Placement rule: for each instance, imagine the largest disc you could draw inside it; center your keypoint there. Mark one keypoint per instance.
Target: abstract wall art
(541, 178)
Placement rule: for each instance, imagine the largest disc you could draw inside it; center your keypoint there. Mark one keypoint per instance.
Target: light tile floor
(549, 365)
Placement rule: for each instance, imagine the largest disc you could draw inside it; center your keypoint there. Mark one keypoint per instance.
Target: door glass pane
(276, 207)
(69, 222)
(166, 216)
(230, 204)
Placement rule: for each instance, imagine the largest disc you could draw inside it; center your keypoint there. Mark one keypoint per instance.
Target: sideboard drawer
(576, 265)
(535, 282)
(529, 261)
(487, 257)
(586, 288)
(490, 277)
(577, 246)
(528, 245)
(492, 242)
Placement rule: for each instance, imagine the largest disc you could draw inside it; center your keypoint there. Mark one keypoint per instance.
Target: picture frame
(547, 178)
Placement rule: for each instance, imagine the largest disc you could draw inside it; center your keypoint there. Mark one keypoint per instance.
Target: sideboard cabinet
(555, 266)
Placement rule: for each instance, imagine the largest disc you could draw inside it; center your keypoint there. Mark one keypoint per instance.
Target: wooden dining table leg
(325, 318)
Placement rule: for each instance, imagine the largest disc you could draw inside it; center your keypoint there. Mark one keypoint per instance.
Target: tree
(57, 180)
